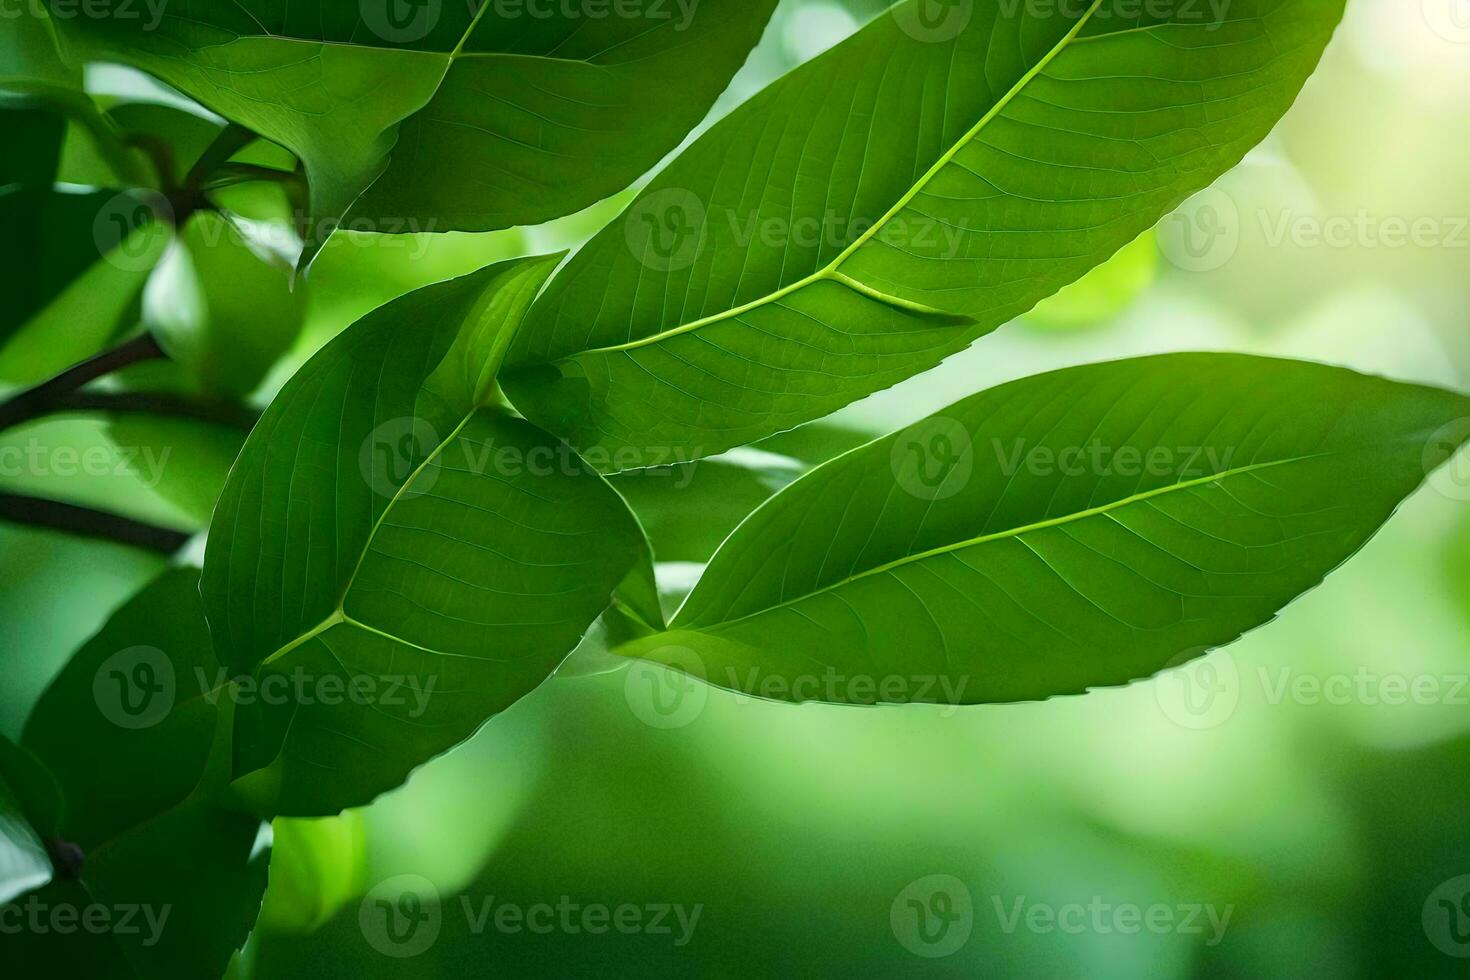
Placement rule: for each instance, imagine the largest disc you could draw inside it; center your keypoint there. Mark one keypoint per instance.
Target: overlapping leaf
(399, 555)
(134, 730)
(892, 200)
(459, 116)
(1073, 530)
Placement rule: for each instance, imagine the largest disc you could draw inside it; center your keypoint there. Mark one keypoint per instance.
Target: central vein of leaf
(830, 271)
(339, 615)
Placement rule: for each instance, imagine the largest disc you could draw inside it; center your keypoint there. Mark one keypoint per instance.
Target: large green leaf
(25, 864)
(219, 310)
(892, 200)
(386, 526)
(132, 730)
(448, 118)
(1073, 530)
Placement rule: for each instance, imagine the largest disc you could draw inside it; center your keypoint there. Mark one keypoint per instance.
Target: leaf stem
(220, 413)
(53, 514)
(46, 396)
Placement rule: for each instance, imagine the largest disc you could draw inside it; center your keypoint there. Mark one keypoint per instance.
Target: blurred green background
(1311, 782)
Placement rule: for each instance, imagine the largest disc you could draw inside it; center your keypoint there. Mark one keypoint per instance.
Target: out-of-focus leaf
(25, 864)
(220, 311)
(384, 526)
(69, 586)
(76, 459)
(197, 454)
(316, 869)
(519, 118)
(1104, 292)
(1074, 530)
(135, 731)
(915, 187)
(77, 282)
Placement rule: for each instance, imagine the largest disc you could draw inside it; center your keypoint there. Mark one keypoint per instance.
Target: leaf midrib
(338, 616)
(831, 271)
(1009, 533)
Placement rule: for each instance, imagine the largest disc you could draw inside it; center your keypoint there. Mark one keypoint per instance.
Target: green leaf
(1077, 529)
(449, 119)
(131, 730)
(219, 310)
(77, 282)
(889, 202)
(387, 528)
(317, 867)
(25, 864)
(1103, 293)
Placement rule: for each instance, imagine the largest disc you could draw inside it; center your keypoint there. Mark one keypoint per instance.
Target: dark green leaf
(448, 119)
(131, 729)
(385, 530)
(889, 202)
(1073, 530)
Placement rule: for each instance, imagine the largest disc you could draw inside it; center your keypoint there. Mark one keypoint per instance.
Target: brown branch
(36, 512)
(45, 397)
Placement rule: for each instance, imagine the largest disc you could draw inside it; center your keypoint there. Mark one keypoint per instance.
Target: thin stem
(37, 512)
(225, 414)
(43, 398)
(231, 140)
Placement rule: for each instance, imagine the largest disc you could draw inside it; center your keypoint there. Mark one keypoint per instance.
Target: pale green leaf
(889, 202)
(386, 526)
(1073, 530)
